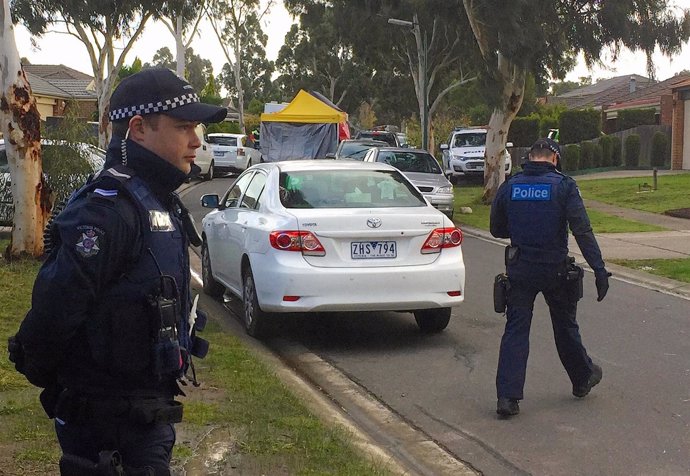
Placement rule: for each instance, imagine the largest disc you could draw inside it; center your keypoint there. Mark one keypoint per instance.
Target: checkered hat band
(151, 108)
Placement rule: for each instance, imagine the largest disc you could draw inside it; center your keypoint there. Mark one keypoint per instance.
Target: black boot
(507, 407)
(594, 378)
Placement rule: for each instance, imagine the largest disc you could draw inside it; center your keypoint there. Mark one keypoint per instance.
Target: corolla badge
(374, 222)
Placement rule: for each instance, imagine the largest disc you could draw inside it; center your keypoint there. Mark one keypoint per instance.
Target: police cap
(547, 143)
(159, 90)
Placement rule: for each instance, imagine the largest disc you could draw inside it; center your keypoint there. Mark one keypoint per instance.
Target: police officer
(534, 209)
(109, 334)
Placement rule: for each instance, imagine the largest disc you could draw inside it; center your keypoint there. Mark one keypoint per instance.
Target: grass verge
(241, 404)
(678, 269)
(471, 196)
(671, 193)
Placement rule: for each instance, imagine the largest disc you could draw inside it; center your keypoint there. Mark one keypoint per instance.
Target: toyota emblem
(374, 222)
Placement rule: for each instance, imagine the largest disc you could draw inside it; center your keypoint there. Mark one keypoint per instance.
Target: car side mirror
(444, 147)
(210, 201)
(330, 155)
(509, 145)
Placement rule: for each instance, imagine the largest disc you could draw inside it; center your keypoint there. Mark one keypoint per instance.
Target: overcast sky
(60, 48)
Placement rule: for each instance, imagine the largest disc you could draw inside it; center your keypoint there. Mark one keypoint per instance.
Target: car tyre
(210, 286)
(255, 320)
(453, 179)
(209, 174)
(431, 321)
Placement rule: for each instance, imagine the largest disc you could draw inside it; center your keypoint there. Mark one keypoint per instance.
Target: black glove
(602, 282)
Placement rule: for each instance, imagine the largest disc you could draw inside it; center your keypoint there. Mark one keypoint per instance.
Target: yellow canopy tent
(307, 128)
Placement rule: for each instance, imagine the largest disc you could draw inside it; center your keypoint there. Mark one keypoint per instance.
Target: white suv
(464, 153)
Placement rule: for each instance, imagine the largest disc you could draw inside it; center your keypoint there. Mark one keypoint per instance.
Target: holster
(109, 464)
(156, 411)
(512, 253)
(501, 288)
(574, 277)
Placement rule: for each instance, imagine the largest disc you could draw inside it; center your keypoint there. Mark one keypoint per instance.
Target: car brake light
(442, 238)
(303, 241)
(240, 151)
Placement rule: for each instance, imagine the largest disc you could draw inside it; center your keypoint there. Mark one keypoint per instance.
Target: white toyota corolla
(325, 235)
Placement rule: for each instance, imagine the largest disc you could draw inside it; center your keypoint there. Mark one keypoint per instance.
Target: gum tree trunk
(20, 125)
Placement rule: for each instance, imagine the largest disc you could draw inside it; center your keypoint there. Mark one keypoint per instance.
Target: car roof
(470, 129)
(324, 164)
(226, 134)
(364, 141)
(404, 149)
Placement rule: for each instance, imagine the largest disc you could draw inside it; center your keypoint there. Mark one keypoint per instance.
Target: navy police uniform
(534, 209)
(109, 334)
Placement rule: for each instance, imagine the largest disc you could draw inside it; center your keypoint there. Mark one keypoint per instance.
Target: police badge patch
(88, 245)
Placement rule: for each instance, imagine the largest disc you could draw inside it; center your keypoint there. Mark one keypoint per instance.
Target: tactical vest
(536, 217)
(139, 335)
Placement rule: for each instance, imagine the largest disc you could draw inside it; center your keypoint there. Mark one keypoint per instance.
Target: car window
(387, 137)
(347, 189)
(470, 139)
(232, 197)
(229, 141)
(254, 190)
(354, 150)
(412, 162)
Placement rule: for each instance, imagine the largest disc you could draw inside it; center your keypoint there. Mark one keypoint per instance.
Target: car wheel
(453, 179)
(211, 287)
(432, 320)
(209, 174)
(450, 215)
(254, 318)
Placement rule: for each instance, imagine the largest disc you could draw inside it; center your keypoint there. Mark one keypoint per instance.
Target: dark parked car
(355, 149)
(390, 138)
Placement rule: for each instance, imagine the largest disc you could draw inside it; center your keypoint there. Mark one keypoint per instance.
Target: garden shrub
(659, 149)
(632, 150)
(579, 125)
(606, 144)
(629, 118)
(524, 131)
(571, 159)
(587, 155)
(616, 151)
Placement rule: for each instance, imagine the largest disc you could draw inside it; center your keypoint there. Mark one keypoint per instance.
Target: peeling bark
(20, 124)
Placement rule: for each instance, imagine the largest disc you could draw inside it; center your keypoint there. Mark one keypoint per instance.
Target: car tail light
(303, 241)
(442, 238)
(240, 151)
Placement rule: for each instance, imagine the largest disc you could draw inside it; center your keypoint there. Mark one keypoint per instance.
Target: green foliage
(629, 118)
(225, 126)
(571, 154)
(256, 106)
(632, 150)
(251, 122)
(660, 149)
(586, 155)
(577, 125)
(616, 151)
(125, 71)
(524, 131)
(606, 143)
(479, 114)
(596, 155)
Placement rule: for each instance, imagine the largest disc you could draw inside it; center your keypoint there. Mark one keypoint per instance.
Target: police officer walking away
(110, 332)
(534, 209)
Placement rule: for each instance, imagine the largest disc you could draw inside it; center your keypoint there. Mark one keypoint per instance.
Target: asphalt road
(635, 422)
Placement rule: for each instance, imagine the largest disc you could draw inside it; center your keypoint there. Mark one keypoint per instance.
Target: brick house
(58, 87)
(680, 136)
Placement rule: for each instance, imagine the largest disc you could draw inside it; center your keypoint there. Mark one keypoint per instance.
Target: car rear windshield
(470, 139)
(410, 161)
(354, 150)
(387, 137)
(347, 189)
(231, 141)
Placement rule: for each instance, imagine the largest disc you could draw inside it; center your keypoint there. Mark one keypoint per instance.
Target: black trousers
(140, 445)
(526, 281)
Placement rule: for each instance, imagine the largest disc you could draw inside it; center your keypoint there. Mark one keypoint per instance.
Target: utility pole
(422, 72)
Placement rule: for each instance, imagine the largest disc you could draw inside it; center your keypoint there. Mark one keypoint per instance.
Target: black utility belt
(139, 410)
